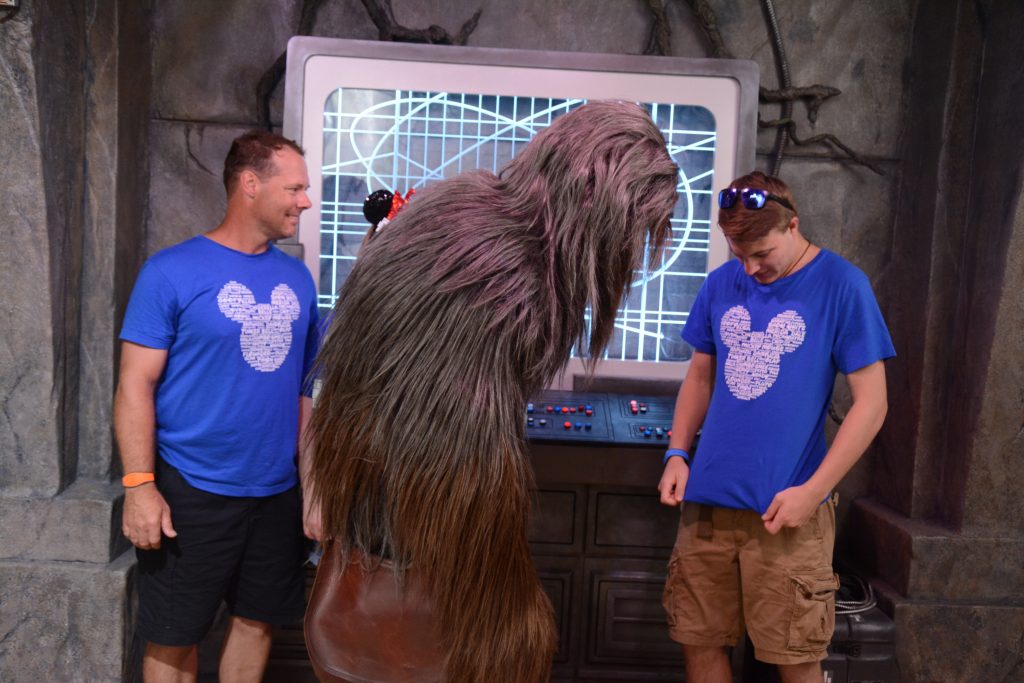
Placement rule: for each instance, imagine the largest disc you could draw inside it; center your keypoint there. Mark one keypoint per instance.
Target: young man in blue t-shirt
(218, 341)
(769, 330)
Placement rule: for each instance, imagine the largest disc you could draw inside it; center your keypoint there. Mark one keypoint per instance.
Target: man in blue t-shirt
(769, 330)
(218, 340)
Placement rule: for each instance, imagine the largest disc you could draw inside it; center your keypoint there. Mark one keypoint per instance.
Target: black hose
(782, 137)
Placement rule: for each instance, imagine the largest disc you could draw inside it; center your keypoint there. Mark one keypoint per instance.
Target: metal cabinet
(601, 540)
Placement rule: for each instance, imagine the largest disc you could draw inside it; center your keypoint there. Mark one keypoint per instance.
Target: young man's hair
(254, 151)
(745, 225)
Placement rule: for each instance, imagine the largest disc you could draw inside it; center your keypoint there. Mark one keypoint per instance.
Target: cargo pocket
(812, 619)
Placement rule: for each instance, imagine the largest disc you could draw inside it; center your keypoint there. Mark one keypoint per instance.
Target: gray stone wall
(943, 533)
(117, 163)
(119, 116)
(32, 379)
(74, 179)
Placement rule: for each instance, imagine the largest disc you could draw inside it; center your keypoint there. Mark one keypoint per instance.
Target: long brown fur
(467, 303)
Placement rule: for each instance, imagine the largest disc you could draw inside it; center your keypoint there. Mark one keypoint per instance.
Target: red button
(564, 409)
(568, 425)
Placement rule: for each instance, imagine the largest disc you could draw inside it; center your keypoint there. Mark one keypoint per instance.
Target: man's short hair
(254, 151)
(745, 225)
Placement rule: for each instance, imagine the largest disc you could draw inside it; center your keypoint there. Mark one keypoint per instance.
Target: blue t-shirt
(777, 349)
(240, 331)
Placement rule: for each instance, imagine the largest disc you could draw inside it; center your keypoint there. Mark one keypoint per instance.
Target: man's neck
(238, 235)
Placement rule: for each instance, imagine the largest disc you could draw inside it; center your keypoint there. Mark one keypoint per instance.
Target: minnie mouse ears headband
(382, 206)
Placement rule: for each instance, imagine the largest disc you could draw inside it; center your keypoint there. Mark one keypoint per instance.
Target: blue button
(529, 407)
(587, 426)
(579, 425)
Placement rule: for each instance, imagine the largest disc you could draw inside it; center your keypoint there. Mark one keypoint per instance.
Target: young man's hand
(791, 507)
(673, 481)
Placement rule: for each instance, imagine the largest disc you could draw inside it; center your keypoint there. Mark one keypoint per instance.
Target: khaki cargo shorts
(728, 573)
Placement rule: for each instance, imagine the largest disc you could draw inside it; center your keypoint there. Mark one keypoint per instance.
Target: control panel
(561, 416)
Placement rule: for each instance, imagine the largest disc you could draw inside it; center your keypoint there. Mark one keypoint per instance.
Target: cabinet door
(627, 634)
(557, 515)
(561, 579)
(630, 522)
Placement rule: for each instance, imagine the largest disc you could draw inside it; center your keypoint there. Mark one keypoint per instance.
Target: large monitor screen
(398, 117)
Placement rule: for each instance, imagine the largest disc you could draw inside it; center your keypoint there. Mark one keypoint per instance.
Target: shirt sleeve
(152, 310)
(698, 331)
(863, 337)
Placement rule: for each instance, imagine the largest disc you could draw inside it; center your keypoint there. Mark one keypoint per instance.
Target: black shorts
(245, 551)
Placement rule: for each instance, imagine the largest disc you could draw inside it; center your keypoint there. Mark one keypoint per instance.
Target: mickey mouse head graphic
(266, 328)
(752, 363)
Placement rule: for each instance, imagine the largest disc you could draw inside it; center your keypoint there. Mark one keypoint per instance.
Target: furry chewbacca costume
(463, 306)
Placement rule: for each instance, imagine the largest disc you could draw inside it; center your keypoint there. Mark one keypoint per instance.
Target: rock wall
(74, 89)
(38, 209)
(943, 530)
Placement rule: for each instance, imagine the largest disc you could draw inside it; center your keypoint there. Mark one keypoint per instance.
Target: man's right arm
(691, 407)
(146, 513)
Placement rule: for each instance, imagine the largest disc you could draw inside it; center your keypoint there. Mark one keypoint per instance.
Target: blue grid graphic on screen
(398, 139)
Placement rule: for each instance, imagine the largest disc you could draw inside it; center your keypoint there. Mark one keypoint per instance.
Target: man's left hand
(311, 523)
(791, 507)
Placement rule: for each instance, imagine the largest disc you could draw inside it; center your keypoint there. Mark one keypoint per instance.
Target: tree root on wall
(822, 138)
(383, 18)
(659, 42)
(272, 76)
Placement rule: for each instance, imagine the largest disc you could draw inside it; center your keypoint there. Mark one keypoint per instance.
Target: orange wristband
(133, 479)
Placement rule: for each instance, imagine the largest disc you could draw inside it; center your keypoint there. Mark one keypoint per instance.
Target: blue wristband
(676, 451)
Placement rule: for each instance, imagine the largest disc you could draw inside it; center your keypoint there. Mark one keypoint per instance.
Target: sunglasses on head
(751, 198)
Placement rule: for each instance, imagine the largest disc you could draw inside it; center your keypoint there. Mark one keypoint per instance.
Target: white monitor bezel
(727, 88)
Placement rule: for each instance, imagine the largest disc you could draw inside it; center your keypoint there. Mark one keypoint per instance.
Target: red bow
(398, 202)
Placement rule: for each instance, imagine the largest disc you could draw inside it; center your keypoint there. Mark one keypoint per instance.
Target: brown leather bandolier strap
(362, 626)
(705, 529)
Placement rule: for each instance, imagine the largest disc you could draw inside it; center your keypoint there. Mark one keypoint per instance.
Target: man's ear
(794, 223)
(248, 182)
